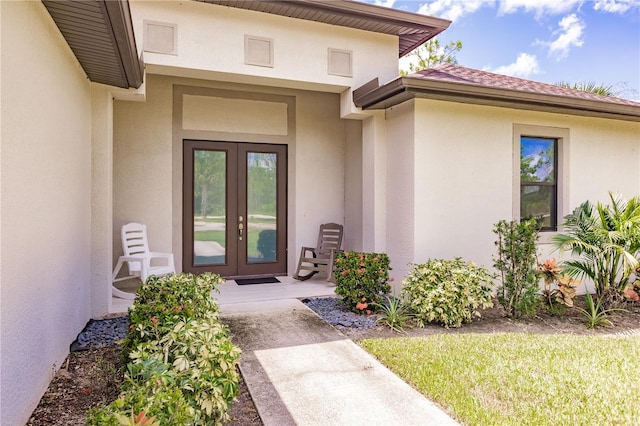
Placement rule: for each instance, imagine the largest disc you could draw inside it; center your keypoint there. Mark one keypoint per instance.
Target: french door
(234, 208)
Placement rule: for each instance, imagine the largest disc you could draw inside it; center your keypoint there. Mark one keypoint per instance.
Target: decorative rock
(335, 314)
(100, 333)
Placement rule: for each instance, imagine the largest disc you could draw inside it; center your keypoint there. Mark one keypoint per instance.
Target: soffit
(412, 29)
(100, 35)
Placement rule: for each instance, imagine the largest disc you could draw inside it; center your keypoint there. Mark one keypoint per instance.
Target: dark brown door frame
(279, 266)
(237, 263)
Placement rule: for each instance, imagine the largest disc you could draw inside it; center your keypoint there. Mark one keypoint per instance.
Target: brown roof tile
(462, 75)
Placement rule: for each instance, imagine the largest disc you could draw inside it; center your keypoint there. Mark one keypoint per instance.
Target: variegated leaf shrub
(182, 366)
(450, 292)
(162, 302)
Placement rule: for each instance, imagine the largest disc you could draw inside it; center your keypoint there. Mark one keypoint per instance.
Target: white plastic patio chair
(138, 258)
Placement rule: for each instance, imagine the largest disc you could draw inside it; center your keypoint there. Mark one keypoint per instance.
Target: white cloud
(539, 7)
(616, 6)
(453, 9)
(385, 3)
(571, 32)
(524, 66)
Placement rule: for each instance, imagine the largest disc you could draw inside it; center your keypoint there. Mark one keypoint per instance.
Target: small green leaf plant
(362, 279)
(450, 292)
(595, 315)
(395, 313)
(516, 264)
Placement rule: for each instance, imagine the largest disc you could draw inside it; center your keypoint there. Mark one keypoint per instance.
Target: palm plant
(605, 244)
(591, 87)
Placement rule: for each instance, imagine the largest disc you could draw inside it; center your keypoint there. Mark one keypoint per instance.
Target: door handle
(240, 230)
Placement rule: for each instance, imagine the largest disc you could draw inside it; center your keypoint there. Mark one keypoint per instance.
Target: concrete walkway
(302, 371)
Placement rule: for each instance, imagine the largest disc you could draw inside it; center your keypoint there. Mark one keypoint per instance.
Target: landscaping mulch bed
(492, 320)
(90, 378)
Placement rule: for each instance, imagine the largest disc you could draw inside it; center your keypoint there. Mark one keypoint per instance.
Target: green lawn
(521, 379)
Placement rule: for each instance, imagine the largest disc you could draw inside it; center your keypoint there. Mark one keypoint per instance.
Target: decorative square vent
(160, 37)
(340, 62)
(258, 51)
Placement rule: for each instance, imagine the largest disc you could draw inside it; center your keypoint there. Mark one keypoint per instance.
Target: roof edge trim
(122, 26)
(404, 88)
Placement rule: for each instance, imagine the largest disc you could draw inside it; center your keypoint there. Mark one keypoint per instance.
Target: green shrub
(162, 302)
(516, 263)
(447, 291)
(604, 241)
(362, 279)
(182, 366)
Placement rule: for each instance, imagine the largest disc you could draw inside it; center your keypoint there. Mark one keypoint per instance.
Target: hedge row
(181, 367)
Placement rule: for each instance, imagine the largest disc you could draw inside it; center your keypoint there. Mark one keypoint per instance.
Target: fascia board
(392, 93)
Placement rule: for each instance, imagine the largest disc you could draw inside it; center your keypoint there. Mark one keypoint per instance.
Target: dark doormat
(263, 280)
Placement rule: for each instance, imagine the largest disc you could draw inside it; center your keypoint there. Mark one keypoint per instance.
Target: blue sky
(544, 40)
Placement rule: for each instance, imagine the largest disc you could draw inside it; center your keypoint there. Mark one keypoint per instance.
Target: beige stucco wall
(210, 39)
(353, 184)
(401, 186)
(46, 211)
(319, 169)
(101, 199)
(374, 183)
(148, 168)
(464, 172)
(142, 166)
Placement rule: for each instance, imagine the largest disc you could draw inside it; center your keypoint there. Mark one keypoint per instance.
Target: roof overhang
(100, 34)
(372, 96)
(412, 29)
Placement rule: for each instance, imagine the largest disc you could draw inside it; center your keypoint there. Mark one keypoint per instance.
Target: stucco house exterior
(113, 111)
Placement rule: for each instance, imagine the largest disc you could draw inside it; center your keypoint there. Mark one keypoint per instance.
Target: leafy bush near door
(181, 364)
(450, 292)
(362, 279)
(162, 302)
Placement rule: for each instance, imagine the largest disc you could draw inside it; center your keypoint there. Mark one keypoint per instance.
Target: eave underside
(100, 34)
(412, 29)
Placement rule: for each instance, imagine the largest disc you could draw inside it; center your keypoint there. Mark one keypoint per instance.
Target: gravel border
(330, 310)
(106, 332)
(100, 333)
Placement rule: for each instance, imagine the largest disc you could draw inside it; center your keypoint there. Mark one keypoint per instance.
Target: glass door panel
(262, 215)
(234, 208)
(209, 207)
